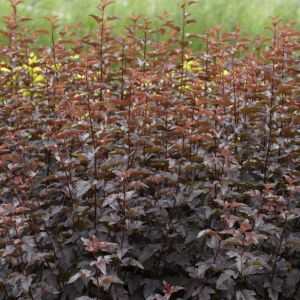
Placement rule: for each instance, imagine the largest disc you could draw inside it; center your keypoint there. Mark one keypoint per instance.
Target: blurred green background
(252, 15)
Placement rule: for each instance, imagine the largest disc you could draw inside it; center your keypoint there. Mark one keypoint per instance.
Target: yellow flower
(192, 66)
(225, 72)
(79, 76)
(75, 56)
(4, 69)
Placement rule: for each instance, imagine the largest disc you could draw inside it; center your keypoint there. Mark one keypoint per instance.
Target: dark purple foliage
(135, 168)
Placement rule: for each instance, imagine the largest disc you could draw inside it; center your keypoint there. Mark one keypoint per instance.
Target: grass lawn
(253, 16)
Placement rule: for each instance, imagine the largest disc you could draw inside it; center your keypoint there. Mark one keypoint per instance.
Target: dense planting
(135, 169)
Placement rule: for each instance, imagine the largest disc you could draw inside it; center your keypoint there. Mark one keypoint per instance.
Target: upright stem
(270, 123)
(182, 47)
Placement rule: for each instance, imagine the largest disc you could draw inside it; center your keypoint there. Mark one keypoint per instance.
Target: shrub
(134, 169)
